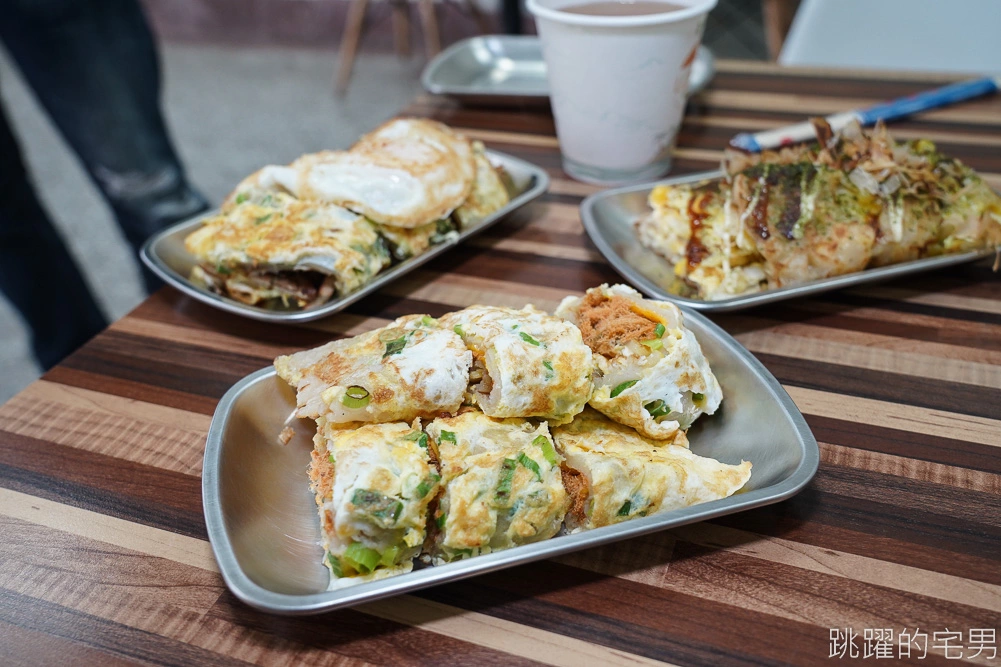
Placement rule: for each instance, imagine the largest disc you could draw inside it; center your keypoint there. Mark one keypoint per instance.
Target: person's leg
(93, 66)
(37, 273)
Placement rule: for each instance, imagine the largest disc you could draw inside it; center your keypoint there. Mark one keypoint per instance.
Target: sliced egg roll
(613, 474)
(502, 485)
(411, 368)
(526, 363)
(652, 374)
(273, 250)
(373, 484)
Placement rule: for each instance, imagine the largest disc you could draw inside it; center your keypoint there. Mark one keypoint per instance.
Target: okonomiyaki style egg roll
(613, 474)
(526, 363)
(408, 369)
(373, 485)
(652, 374)
(502, 485)
(275, 251)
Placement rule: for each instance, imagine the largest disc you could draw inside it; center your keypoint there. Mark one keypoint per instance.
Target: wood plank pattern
(103, 550)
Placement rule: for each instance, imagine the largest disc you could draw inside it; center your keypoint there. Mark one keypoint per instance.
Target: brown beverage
(614, 8)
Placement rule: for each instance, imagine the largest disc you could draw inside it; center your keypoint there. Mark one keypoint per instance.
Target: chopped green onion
(528, 339)
(263, 219)
(505, 480)
(549, 369)
(441, 520)
(527, 461)
(361, 558)
(697, 397)
(458, 330)
(389, 556)
(427, 320)
(335, 565)
(657, 408)
(543, 443)
(447, 435)
(622, 387)
(356, 397)
(381, 507)
(395, 346)
(624, 510)
(654, 344)
(242, 197)
(330, 457)
(224, 270)
(659, 330)
(420, 437)
(426, 485)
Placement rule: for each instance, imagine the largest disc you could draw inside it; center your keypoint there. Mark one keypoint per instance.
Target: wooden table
(104, 551)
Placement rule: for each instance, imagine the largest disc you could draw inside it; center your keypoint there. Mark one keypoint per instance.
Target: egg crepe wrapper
(502, 485)
(407, 173)
(615, 474)
(410, 368)
(657, 384)
(276, 250)
(373, 486)
(526, 363)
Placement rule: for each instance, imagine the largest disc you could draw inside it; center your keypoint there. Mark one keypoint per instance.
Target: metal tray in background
(165, 254)
(509, 70)
(608, 218)
(264, 530)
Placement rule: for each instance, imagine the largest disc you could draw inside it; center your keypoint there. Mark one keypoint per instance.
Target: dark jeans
(93, 65)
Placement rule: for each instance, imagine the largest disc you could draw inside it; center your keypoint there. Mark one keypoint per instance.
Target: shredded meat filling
(577, 490)
(609, 322)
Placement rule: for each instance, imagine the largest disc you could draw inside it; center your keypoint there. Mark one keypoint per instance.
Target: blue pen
(904, 106)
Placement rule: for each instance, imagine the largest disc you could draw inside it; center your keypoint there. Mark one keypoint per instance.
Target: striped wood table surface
(103, 551)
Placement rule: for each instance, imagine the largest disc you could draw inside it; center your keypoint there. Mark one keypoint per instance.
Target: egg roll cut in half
(613, 474)
(275, 251)
(652, 374)
(502, 485)
(526, 363)
(489, 192)
(373, 484)
(411, 368)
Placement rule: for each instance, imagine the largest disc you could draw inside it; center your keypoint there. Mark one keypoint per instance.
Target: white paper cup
(618, 86)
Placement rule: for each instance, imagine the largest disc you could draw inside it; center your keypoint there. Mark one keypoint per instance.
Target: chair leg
(349, 43)
(481, 19)
(401, 27)
(429, 23)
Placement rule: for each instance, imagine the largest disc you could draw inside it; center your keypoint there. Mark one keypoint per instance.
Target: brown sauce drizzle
(696, 251)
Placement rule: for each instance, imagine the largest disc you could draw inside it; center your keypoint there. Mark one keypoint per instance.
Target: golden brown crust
(607, 322)
(321, 476)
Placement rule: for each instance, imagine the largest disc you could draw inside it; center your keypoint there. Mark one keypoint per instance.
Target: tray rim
(741, 302)
(434, 86)
(263, 599)
(539, 186)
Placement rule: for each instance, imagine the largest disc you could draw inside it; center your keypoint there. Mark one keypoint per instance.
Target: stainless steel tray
(262, 521)
(508, 69)
(608, 217)
(164, 253)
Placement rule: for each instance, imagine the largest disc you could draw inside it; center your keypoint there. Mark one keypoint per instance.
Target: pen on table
(904, 106)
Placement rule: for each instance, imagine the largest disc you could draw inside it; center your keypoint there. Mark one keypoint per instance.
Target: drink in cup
(618, 81)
